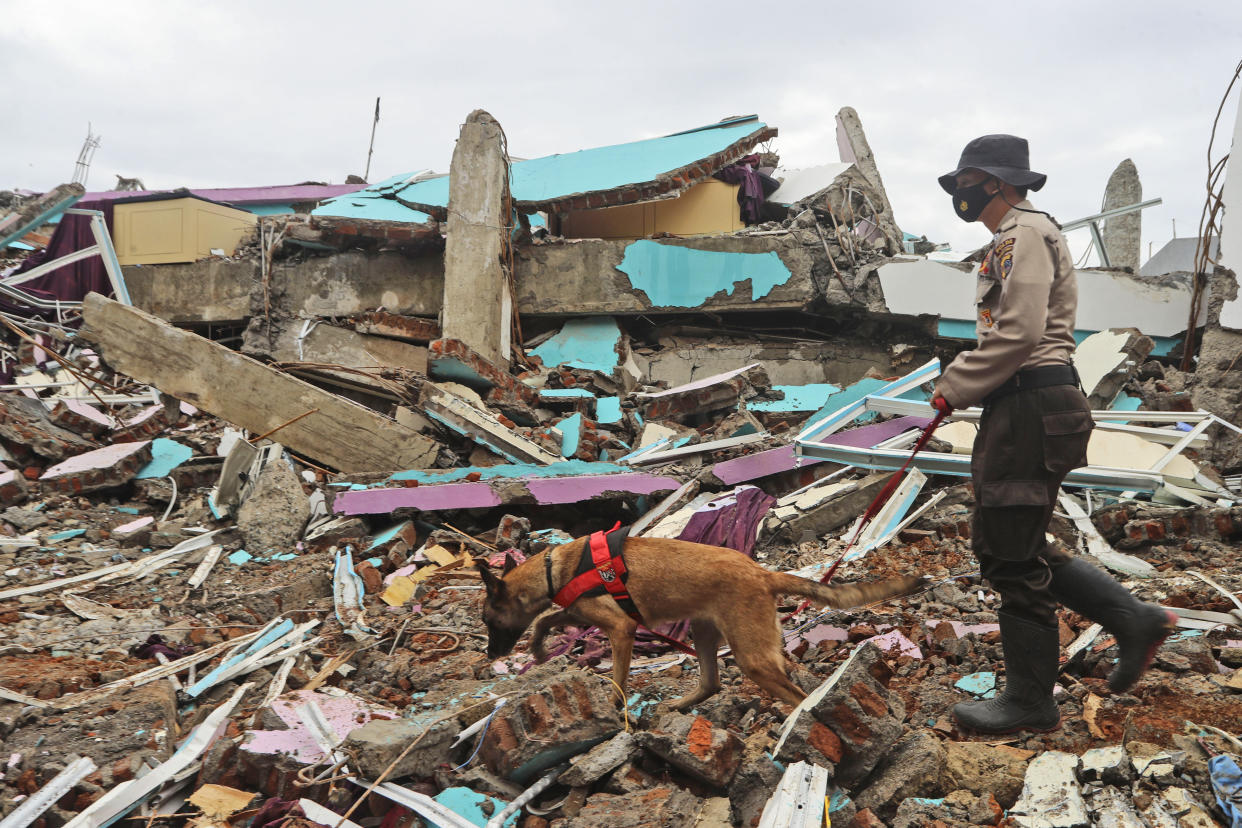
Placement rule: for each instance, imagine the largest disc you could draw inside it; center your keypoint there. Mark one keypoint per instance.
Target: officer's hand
(941, 404)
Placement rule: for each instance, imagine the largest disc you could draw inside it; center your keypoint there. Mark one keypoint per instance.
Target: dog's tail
(840, 596)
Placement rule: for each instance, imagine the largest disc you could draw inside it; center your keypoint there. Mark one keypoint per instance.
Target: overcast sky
(210, 94)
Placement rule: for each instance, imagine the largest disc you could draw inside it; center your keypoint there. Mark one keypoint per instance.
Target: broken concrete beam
(825, 508)
(477, 300)
(691, 744)
(480, 426)
(569, 713)
(81, 418)
(569, 481)
(24, 424)
(600, 760)
(13, 487)
(302, 341)
(322, 426)
(704, 395)
(395, 326)
(103, 468)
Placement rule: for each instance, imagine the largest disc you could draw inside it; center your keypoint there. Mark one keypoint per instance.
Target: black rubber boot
(1139, 628)
(1031, 662)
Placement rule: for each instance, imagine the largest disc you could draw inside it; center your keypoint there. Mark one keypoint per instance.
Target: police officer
(1033, 431)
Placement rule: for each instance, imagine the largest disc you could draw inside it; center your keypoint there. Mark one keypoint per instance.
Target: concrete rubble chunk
(1107, 360)
(80, 417)
(982, 768)
(396, 326)
(859, 709)
(665, 806)
(103, 468)
(482, 427)
(564, 716)
(825, 508)
(704, 395)
(13, 487)
(339, 433)
(693, 745)
(1113, 808)
(275, 512)
(1050, 795)
(24, 424)
(1110, 765)
(914, 767)
(379, 742)
(600, 760)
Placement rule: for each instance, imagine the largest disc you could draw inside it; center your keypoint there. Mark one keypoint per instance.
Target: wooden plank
(341, 434)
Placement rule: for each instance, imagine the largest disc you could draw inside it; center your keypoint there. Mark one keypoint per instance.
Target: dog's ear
(493, 584)
(510, 563)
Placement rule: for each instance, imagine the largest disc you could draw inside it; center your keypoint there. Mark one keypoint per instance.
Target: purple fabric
(72, 282)
(751, 192)
(732, 521)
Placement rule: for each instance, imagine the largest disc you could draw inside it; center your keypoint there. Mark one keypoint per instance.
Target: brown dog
(722, 592)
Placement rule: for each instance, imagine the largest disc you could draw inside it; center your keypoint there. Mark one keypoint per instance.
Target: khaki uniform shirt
(1026, 299)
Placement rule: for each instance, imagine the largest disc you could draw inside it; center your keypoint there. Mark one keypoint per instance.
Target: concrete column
(1123, 234)
(476, 297)
(854, 149)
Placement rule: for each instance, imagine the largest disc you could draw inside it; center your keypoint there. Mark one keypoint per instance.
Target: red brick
(699, 739)
(826, 742)
(866, 819)
(869, 700)
(850, 726)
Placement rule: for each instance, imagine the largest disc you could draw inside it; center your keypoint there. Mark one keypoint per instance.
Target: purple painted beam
(424, 498)
(773, 461)
(483, 495)
(552, 490)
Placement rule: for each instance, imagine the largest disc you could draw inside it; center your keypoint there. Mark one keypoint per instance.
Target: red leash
(878, 503)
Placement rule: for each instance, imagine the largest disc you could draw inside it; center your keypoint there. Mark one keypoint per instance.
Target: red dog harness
(601, 568)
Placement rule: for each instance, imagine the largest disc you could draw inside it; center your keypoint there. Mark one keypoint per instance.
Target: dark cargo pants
(1027, 443)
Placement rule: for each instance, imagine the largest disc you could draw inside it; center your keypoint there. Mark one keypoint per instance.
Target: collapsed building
(269, 431)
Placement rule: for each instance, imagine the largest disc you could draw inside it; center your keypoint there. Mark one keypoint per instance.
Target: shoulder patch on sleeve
(1003, 256)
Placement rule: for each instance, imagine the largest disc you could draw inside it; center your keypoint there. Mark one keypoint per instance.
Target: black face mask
(969, 202)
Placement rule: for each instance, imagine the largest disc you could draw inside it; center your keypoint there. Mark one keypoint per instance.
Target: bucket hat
(1005, 156)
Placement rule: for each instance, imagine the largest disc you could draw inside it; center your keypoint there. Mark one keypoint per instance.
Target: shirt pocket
(1066, 434)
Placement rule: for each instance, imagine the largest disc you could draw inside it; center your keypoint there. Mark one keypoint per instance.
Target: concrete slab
(503, 485)
(102, 468)
(323, 426)
(81, 418)
(1050, 795)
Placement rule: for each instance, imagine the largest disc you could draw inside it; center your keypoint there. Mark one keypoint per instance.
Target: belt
(1041, 377)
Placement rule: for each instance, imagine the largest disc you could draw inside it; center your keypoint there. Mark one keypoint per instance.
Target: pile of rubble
(210, 622)
(243, 505)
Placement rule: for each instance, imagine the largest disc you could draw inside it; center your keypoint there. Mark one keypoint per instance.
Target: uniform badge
(987, 317)
(1004, 257)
